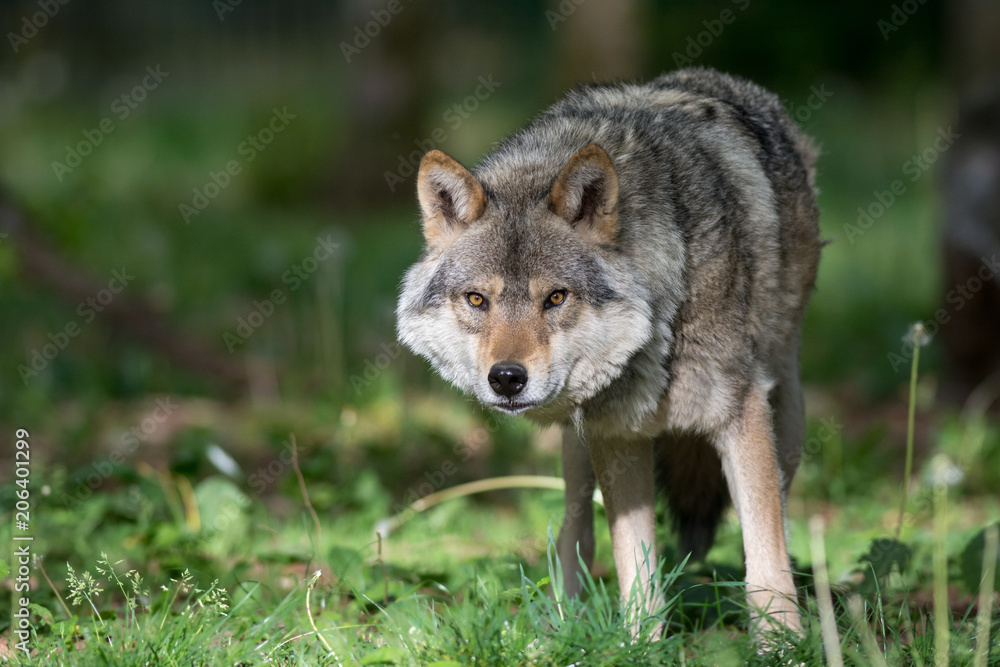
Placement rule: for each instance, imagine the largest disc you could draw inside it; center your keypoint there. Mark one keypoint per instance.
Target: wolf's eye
(476, 300)
(556, 298)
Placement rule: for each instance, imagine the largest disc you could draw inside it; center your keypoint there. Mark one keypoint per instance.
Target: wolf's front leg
(577, 530)
(751, 467)
(624, 470)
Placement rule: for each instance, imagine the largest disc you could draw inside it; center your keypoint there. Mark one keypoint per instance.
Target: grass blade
(918, 337)
(986, 598)
(942, 608)
(824, 600)
(857, 608)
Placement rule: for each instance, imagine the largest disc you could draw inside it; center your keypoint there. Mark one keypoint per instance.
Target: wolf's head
(521, 297)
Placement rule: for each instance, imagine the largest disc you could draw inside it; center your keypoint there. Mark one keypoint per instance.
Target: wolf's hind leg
(577, 530)
(751, 467)
(788, 408)
(689, 474)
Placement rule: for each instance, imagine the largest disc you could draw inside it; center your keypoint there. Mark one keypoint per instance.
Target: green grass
(464, 582)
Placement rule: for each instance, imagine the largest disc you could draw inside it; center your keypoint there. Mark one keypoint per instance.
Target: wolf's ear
(450, 198)
(586, 195)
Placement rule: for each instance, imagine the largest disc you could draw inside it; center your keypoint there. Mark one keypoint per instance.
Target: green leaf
(4, 569)
(972, 563)
(41, 613)
(883, 555)
(219, 503)
(512, 595)
(386, 655)
(66, 629)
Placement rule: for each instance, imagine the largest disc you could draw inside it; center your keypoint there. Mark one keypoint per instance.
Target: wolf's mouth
(513, 407)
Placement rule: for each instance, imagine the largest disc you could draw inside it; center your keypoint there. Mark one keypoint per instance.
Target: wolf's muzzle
(508, 378)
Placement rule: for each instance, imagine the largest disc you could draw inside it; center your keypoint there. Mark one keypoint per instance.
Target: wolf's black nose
(508, 378)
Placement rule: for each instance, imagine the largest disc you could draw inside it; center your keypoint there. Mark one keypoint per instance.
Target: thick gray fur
(696, 301)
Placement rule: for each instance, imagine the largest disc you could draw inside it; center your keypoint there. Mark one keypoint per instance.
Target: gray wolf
(634, 266)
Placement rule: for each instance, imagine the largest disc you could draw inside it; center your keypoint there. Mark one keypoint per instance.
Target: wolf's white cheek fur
(602, 342)
(434, 333)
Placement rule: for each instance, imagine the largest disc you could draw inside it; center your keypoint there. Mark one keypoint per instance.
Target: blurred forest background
(206, 208)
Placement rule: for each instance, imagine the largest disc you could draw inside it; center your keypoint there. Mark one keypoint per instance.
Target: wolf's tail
(689, 473)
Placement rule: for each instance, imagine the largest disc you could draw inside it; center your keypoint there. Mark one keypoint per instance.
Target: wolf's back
(689, 470)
